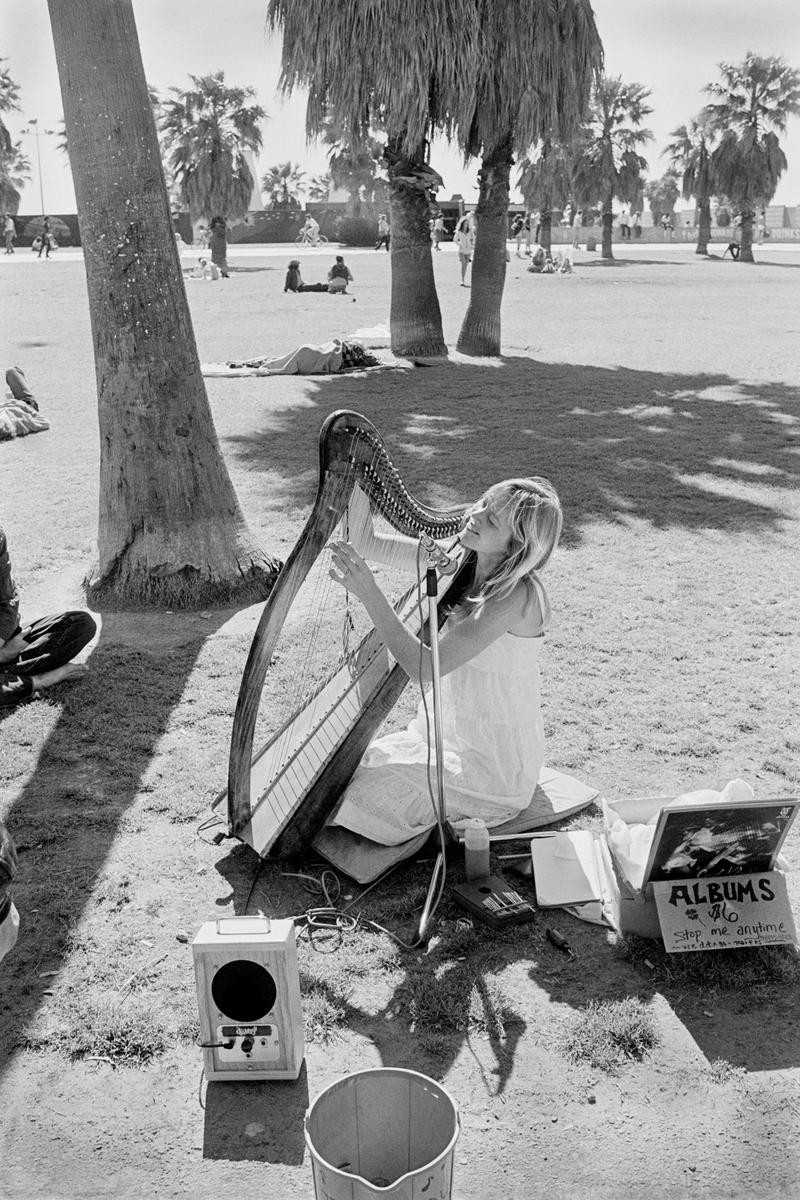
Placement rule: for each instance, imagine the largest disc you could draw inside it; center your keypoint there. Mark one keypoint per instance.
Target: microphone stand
(432, 592)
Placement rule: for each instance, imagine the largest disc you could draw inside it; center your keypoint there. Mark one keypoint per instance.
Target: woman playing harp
(492, 722)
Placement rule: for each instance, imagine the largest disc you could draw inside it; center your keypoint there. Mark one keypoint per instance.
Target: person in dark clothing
(294, 280)
(46, 245)
(39, 655)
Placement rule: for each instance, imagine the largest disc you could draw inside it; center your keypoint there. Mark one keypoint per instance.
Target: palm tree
(529, 80)
(206, 130)
(170, 530)
(353, 167)
(394, 66)
(547, 181)
(610, 164)
(414, 67)
(690, 156)
(319, 187)
(753, 101)
(284, 184)
(14, 166)
(9, 102)
(15, 171)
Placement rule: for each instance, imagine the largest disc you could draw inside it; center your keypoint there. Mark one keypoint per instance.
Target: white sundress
(493, 736)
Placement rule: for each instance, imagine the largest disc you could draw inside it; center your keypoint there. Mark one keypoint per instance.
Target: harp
(280, 796)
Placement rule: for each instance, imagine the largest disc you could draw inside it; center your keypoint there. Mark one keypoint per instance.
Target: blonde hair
(534, 513)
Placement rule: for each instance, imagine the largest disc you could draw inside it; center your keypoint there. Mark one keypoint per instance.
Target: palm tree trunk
(170, 527)
(704, 227)
(480, 331)
(415, 319)
(746, 251)
(608, 224)
(546, 229)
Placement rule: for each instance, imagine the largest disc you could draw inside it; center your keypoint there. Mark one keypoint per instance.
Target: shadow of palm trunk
(89, 768)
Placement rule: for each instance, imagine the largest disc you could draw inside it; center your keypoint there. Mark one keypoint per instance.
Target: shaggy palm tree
(284, 184)
(547, 181)
(205, 131)
(9, 102)
(519, 89)
(396, 66)
(753, 101)
(354, 168)
(417, 67)
(610, 164)
(690, 155)
(14, 167)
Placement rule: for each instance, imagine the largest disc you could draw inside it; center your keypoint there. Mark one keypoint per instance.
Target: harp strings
(333, 633)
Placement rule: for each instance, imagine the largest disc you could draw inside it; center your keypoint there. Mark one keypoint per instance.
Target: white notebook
(565, 868)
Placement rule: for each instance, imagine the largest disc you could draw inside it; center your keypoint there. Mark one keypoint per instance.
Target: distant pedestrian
(45, 242)
(577, 224)
(9, 233)
(518, 232)
(383, 232)
(464, 238)
(637, 224)
(625, 222)
(438, 231)
(218, 245)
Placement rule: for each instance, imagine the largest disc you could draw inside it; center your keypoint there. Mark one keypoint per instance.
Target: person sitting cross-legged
(339, 276)
(36, 656)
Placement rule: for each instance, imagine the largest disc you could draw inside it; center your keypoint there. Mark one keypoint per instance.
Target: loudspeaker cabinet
(248, 995)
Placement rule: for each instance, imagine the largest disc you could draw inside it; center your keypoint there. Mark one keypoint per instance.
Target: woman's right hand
(350, 570)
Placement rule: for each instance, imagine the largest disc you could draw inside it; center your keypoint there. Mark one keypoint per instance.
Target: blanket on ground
(18, 418)
(330, 358)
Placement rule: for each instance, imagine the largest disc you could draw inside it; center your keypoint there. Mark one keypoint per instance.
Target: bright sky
(670, 46)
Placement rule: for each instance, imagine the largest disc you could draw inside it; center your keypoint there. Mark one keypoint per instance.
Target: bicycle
(305, 239)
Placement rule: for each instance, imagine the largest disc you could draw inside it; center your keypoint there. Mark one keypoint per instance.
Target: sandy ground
(654, 325)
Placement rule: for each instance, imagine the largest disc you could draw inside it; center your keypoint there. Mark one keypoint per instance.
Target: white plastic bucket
(388, 1133)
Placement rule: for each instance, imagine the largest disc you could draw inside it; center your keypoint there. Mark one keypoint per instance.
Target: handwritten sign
(724, 912)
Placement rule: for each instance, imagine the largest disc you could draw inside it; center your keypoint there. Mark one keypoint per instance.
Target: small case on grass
(493, 901)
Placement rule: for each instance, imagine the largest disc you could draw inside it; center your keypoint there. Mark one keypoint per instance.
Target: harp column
(435, 886)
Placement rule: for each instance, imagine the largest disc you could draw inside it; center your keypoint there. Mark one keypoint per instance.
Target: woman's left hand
(349, 569)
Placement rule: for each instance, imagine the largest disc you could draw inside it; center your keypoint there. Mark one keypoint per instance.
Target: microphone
(444, 562)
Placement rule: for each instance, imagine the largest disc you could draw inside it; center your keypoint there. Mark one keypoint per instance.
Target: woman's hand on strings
(349, 569)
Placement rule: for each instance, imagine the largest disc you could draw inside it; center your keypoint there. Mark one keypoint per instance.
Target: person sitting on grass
(39, 655)
(339, 276)
(205, 270)
(541, 263)
(294, 280)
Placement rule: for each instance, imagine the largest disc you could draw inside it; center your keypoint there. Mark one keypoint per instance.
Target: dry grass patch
(607, 1034)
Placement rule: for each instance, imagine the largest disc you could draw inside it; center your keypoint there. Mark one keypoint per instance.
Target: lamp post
(33, 127)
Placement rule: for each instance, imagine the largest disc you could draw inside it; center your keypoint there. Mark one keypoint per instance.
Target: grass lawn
(659, 393)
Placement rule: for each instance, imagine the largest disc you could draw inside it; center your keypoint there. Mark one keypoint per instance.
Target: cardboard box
(733, 835)
(633, 909)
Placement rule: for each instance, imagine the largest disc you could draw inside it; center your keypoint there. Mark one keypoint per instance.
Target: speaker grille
(243, 991)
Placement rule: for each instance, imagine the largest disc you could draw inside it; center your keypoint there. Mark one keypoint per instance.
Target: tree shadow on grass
(86, 762)
(676, 451)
